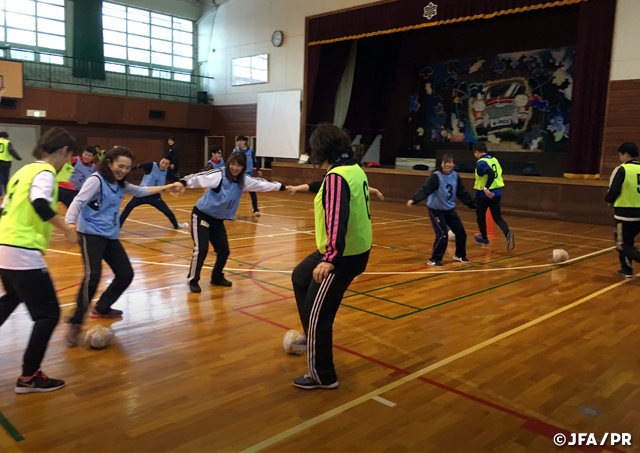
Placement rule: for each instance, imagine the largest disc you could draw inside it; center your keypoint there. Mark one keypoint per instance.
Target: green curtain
(88, 45)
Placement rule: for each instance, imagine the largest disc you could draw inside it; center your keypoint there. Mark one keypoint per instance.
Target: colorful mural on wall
(518, 101)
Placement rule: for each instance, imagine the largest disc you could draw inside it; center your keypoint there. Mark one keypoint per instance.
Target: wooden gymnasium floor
(496, 356)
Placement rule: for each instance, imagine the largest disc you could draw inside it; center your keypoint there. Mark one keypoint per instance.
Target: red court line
(530, 424)
(264, 303)
(260, 285)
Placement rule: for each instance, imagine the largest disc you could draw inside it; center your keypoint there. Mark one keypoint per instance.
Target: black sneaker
(195, 288)
(627, 273)
(222, 282)
(462, 259)
(434, 263)
(38, 383)
(308, 383)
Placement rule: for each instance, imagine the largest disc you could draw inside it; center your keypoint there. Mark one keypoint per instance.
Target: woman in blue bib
(441, 190)
(219, 203)
(95, 213)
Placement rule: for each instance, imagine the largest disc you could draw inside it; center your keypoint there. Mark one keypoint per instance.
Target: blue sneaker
(480, 240)
(511, 241)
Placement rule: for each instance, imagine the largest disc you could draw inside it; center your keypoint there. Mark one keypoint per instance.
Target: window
(153, 44)
(250, 70)
(34, 29)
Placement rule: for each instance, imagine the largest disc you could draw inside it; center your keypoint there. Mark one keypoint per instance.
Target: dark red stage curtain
(405, 15)
(589, 96)
(321, 97)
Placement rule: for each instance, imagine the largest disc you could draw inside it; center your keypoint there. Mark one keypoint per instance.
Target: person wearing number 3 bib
(344, 239)
(95, 213)
(441, 190)
(488, 188)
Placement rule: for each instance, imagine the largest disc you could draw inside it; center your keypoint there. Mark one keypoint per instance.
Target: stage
(546, 198)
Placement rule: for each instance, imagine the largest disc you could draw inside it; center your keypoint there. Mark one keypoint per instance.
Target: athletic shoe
(38, 383)
(256, 213)
(627, 273)
(194, 288)
(223, 282)
(73, 334)
(462, 259)
(480, 240)
(183, 226)
(308, 383)
(112, 313)
(434, 263)
(511, 241)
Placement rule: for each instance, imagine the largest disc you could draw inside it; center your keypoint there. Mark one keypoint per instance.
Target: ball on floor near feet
(560, 255)
(98, 337)
(452, 237)
(294, 342)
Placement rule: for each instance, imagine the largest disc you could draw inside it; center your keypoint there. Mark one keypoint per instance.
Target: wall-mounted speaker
(157, 114)
(9, 103)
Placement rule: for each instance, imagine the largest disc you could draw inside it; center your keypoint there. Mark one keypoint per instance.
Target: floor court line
(158, 226)
(418, 374)
(276, 271)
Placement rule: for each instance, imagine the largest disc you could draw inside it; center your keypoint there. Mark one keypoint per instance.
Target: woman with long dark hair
(27, 218)
(343, 237)
(219, 203)
(95, 213)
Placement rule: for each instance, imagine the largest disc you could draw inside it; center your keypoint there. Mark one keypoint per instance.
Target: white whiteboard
(278, 124)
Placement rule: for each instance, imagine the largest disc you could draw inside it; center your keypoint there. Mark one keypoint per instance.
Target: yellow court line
(345, 407)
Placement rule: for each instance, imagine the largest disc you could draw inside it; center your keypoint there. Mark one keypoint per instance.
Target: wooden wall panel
(232, 120)
(622, 123)
(86, 108)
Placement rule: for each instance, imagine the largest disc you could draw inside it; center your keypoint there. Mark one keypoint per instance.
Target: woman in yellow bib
(27, 217)
(343, 237)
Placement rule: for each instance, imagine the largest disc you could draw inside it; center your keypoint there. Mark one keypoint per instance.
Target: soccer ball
(98, 337)
(452, 237)
(294, 342)
(560, 255)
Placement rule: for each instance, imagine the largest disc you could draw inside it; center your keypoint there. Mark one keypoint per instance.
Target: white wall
(625, 59)
(243, 28)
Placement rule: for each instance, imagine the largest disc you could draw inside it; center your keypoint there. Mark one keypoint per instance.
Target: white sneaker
(183, 225)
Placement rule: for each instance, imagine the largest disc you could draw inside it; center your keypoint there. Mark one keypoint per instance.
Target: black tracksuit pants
(493, 204)
(625, 235)
(5, 169)
(154, 200)
(205, 229)
(66, 196)
(440, 221)
(318, 304)
(95, 249)
(35, 289)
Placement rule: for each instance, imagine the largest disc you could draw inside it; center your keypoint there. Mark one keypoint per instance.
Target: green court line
(462, 269)
(367, 311)
(494, 287)
(10, 429)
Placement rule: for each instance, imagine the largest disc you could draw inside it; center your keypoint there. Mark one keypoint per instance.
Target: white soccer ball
(560, 256)
(98, 337)
(452, 237)
(294, 342)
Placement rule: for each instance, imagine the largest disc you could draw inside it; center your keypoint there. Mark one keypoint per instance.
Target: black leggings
(5, 169)
(205, 229)
(35, 289)
(154, 200)
(492, 204)
(318, 304)
(95, 249)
